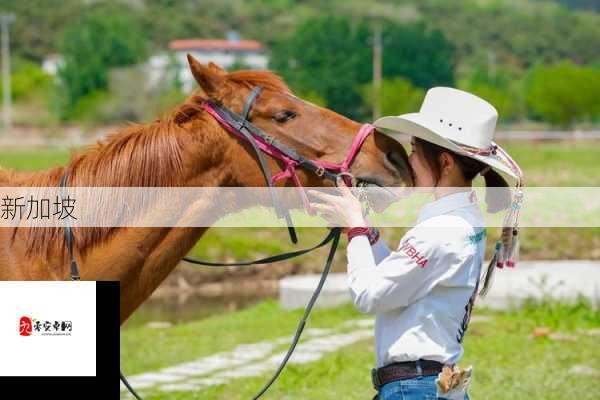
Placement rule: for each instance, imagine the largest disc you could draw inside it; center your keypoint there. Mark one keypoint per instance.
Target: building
(230, 53)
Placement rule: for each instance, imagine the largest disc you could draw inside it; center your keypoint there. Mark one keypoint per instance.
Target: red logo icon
(25, 326)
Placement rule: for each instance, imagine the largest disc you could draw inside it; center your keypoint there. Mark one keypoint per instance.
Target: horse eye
(284, 116)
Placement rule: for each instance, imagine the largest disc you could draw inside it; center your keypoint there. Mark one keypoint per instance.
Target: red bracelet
(371, 233)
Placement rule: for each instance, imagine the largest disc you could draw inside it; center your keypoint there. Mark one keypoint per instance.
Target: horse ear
(210, 78)
(214, 67)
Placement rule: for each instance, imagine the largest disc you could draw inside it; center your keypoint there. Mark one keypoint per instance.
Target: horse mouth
(380, 197)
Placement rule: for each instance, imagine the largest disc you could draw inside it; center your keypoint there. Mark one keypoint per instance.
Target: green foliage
(327, 56)
(238, 64)
(331, 56)
(28, 80)
(314, 98)
(103, 38)
(418, 53)
(519, 33)
(583, 4)
(397, 96)
(91, 108)
(501, 86)
(564, 93)
(39, 24)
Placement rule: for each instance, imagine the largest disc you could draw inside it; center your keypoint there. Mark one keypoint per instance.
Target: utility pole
(377, 57)
(492, 66)
(5, 21)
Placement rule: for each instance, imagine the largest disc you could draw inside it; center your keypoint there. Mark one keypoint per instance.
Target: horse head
(315, 132)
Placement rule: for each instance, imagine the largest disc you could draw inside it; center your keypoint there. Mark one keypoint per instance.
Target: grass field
(508, 362)
(544, 164)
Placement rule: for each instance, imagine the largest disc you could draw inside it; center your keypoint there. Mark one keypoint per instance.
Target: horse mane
(150, 154)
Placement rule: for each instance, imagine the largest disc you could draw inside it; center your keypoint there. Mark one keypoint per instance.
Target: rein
(241, 127)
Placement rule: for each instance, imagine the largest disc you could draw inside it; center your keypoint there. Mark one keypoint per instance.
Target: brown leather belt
(404, 370)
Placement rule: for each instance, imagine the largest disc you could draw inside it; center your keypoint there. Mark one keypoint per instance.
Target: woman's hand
(344, 211)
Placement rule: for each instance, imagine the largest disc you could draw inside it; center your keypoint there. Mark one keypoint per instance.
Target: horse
(185, 147)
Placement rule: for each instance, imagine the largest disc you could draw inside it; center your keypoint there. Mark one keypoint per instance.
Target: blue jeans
(411, 389)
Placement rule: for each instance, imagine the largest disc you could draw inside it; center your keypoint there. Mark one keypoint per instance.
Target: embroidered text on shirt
(414, 254)
(473, 239)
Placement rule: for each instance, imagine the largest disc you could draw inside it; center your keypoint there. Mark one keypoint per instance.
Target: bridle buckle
(353, 180)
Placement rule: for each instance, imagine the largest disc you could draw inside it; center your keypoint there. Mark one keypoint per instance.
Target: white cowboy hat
(458, 121)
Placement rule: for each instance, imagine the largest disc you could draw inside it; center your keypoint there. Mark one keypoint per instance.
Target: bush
(93, 109)
(397, 96)
(28, 81)
(563, 93)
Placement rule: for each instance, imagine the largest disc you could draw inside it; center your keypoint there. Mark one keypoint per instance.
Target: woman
(423, 292)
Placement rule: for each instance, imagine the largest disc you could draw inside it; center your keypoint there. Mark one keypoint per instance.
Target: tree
(103, 38)
(328, 57)
(331, 56)
(420, 54)
(564, 93)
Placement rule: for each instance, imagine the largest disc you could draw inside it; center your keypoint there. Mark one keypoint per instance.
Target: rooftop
(215, 44)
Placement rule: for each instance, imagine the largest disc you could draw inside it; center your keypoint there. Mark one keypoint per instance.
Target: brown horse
(185, 148)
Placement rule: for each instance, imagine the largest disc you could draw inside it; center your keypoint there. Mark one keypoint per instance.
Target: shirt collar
(447, 204)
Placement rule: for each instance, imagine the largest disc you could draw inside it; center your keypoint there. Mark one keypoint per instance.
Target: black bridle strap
(250, 102)
(74, 272)
(266, 260)
(241, 124)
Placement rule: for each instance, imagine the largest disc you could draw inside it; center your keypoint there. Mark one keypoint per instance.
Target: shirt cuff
(359, 253)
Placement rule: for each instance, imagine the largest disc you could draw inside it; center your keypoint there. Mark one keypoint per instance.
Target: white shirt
(422, 292)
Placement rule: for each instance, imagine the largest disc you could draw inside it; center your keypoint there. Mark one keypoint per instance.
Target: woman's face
(423, 175)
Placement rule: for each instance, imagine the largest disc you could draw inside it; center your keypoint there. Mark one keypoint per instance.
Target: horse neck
(141, 258)
(158, 154)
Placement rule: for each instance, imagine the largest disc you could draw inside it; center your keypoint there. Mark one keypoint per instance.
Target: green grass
(508, 362)
(33, 159)
(559, 163)
(263, 321)
(545, 164)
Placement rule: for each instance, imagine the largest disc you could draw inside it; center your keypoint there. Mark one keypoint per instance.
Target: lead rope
(336, 232)
(333, 237)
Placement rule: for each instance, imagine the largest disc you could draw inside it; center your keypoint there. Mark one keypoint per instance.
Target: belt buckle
(375, 379)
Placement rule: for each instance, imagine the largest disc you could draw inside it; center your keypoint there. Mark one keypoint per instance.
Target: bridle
(241, 127)
(263, 143)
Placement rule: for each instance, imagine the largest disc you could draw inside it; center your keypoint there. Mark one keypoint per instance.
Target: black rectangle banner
(105, 385)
